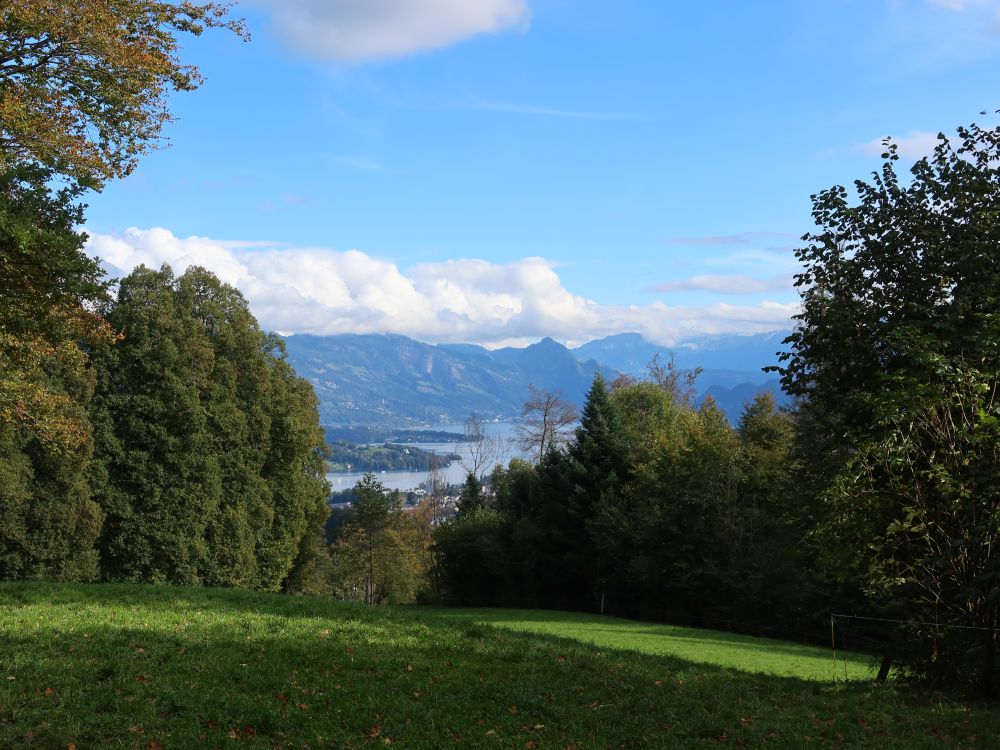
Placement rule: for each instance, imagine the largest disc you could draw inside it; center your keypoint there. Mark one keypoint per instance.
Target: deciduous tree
(896, 361)
(84, 86)
(545, 422)
(49, 291)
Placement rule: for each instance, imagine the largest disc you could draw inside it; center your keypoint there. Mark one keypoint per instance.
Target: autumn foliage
(83, 86)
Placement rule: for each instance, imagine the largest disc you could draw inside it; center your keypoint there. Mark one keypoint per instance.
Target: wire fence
(883, 636)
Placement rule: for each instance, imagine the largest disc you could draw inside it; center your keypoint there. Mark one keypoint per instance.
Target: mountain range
(393, 381)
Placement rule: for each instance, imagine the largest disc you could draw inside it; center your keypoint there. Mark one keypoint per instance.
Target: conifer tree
(471, 497)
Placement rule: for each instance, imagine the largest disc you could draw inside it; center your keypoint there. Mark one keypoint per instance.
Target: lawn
(164, 668)
(745, 653)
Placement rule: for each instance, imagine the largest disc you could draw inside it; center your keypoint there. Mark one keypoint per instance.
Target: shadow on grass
(618, 634)
(669, 640)
(126, 666)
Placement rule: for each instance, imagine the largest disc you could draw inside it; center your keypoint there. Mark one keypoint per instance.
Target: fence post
(833, 644)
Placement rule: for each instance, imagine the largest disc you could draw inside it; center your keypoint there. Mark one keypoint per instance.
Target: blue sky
(500, 170)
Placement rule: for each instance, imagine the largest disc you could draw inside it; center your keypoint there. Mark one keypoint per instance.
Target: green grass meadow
(745, 653)
(164, 668)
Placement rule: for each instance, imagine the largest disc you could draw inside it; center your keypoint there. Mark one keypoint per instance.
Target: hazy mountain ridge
(389, 380)
(732, 365)
(734, 358)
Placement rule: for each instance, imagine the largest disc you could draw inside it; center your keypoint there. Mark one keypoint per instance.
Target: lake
(454, 474)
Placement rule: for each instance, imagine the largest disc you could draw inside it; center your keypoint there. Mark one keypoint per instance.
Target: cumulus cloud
(360, 30)
(726, 284)
(322, 291)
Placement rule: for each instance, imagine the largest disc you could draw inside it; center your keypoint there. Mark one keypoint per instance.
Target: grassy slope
(748, 654)
(117, 667)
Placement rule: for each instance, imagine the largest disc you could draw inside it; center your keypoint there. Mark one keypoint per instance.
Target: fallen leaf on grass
(374, 732)
(135, 729)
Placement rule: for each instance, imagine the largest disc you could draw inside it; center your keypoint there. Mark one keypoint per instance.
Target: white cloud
(527, 109)
(722, 240)
(914, 145)
(323, 291)
(360, 30)
(956, 5)
(726, 284)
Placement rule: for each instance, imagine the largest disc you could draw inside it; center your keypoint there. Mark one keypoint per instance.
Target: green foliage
(377, 557)
(395, 575)
(345, 456)
(655, 509)
(209, 458)
(48, 522)
(896, 359)
(471, 497)
(84, 88)
(209, 465)
(472, 551)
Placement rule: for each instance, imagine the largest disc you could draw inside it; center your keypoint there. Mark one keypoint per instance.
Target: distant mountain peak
(616, 339)
(547, 343)
(395, 381)
(389, 380)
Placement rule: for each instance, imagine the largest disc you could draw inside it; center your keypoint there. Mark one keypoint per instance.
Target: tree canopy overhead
(83, 86)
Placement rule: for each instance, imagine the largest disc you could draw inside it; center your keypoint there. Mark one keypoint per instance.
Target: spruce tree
(471, 497)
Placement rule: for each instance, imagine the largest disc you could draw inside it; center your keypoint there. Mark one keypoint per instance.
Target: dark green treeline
(208, 462)
(156, 435)
(656, 509)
